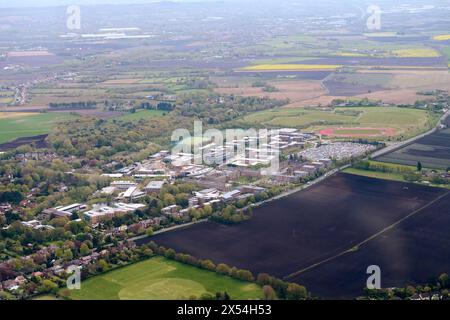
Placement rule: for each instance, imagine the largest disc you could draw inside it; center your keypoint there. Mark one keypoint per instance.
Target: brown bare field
(121, 81)
(21, 54)
(397, 96)
(296, 91)
(405, 84)
(12, 115)
(401, 86)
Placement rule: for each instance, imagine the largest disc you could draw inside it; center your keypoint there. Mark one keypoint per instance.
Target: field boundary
(364, 242)
(401, 145)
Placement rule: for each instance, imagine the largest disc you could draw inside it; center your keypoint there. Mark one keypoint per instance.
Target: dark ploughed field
(433, 151)
(37, 141)
(291, 234)
(415, 252)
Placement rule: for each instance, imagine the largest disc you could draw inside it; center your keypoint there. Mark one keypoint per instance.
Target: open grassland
(404, 121)
(291, 67)
(376, 175)
(17, 125)
(162, 279)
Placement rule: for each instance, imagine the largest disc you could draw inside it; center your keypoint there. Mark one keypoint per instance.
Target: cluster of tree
(276, 288)
(231, 215)
(273, 288)
(221, 268)
(14, 197)
(73, 105)
(439, 289)
(163, 106)
(408, 173)
(218, 109)
(100, 141)
(381, 167)
(22, 240)
(116, 256)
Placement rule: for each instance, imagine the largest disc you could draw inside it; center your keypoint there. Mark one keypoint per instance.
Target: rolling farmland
(432, 151)
(290, 235)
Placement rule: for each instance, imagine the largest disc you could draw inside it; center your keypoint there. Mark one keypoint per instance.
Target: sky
(43, 3)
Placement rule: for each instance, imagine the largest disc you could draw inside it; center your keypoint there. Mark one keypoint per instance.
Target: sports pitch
(162, 279)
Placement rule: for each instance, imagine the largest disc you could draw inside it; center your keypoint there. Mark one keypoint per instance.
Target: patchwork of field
(412, 253)
(296, 91)
(406, 122)
(433, 151)
(399, 85)
(291, 67)
(162, 279)
(290, 235)
(16, 125)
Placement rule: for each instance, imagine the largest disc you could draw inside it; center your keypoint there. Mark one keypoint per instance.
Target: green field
(141, 115)
(162, 279)
(13, 126)
(46, 297)
(376, 175)
(405, 121)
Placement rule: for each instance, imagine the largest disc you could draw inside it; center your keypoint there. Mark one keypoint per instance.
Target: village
(240, 177)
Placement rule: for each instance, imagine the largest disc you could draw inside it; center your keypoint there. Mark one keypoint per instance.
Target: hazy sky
(34, 3)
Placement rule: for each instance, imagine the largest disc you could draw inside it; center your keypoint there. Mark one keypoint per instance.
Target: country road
(402, 144)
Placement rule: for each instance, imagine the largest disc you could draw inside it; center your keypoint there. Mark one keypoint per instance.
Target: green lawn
(29, 125)
(46, 297)
(141, 115)
(375, 174)
(161, 279)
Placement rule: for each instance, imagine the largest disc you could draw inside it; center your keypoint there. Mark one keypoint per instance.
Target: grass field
(404, 121)
(141, 115)
(291, 67)
(376, 175)
(162, 279)
(17, 125)
(380, 34)
(46, 297)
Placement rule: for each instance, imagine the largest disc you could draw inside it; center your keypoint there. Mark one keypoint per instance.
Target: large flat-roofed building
(123, 185)
(154, 186)
(101, 212)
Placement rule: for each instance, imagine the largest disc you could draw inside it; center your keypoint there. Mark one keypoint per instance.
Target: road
(396, 146)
